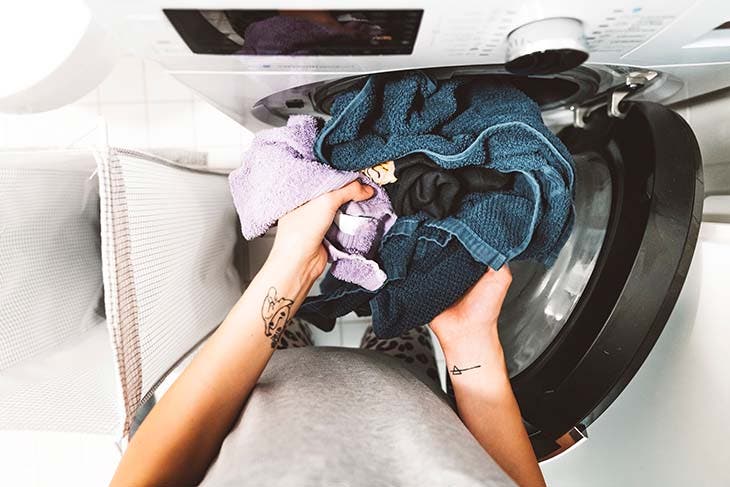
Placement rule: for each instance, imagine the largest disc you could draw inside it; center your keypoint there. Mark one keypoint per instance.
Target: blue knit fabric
(458, 122)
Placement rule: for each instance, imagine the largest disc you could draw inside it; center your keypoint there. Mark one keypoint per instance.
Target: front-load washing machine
(575, 334)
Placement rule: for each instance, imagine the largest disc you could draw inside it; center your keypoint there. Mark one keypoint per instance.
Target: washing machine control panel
(356, 37)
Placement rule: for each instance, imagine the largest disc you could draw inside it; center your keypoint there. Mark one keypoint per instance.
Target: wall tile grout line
(146, 102)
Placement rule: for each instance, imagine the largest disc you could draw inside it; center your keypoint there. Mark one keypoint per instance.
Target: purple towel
(281, 173)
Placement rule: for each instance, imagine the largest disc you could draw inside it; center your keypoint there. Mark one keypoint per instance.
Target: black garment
(423, 185)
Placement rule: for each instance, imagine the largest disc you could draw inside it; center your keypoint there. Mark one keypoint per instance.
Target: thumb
(355, 191)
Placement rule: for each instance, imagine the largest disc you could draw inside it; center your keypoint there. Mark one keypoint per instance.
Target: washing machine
(603, 72)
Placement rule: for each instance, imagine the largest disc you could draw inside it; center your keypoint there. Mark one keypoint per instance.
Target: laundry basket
(114, 264)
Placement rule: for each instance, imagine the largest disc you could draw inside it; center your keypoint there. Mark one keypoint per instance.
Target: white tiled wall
(143, 108)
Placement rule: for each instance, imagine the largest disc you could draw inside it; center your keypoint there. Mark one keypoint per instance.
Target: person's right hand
(300, 232)
(472, 321)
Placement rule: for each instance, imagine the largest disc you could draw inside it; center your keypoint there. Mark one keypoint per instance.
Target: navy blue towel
(458, 122)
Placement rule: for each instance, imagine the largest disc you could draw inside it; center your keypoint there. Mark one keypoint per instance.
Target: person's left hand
(300, 232)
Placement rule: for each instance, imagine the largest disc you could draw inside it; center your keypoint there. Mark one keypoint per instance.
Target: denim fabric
(460, 122)
(337, 299)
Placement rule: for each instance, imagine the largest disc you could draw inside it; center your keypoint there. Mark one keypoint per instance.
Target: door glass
(540, 300)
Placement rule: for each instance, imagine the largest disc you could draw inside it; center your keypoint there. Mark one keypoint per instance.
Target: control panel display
(297, 32)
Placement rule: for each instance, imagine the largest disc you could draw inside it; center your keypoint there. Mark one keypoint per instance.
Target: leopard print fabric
(414, 348)
(296, 335)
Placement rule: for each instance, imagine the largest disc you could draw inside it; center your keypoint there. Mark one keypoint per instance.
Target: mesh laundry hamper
(81, 357)
(168, 237)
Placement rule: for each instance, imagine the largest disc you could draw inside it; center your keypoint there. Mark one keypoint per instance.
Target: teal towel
(458, 122)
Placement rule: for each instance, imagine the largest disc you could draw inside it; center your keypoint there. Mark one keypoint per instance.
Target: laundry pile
(474, 176)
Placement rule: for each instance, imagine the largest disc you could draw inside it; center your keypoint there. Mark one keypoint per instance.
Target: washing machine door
(575, 334)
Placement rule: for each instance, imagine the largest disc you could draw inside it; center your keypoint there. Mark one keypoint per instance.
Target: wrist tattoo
(457, 371)
(275, 312)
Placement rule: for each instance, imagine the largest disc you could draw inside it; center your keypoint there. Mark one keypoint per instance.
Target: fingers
(355, 191)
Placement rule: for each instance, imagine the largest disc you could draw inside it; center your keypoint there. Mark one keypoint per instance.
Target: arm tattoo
(275, 312)
(457, 371)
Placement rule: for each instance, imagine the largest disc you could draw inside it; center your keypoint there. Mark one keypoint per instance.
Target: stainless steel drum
(540, 300)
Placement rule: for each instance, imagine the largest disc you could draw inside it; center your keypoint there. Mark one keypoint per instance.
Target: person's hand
(471, 322)
(480, 380)
(300, 233)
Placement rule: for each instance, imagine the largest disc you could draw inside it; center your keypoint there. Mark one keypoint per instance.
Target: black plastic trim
(658, 189)
(550, 61)
(550, 91)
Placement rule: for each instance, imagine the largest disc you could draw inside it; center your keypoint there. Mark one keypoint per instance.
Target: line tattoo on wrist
(275, 312)
(457, 371)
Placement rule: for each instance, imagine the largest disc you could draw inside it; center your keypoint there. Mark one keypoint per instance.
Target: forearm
(183, 432)
(488, 408)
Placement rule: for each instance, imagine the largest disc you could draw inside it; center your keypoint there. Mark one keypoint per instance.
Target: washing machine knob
(546, 46)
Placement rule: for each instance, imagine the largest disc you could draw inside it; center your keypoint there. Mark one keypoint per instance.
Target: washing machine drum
(575, 334)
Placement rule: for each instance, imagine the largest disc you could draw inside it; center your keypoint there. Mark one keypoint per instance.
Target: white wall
(709, 117)
(669, 427)
(144, 108)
